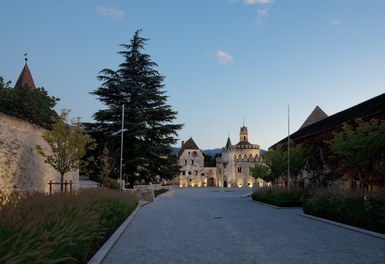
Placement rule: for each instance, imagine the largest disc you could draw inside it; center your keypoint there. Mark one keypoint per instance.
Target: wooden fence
(65, 183)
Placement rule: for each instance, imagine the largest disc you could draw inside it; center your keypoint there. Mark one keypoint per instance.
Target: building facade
(191, 160)
(233, 167)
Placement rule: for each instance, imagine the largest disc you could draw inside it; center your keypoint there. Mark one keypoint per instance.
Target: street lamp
(121, 150)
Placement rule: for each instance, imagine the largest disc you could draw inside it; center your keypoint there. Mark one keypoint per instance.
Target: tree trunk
(61, 181)
(361, 181)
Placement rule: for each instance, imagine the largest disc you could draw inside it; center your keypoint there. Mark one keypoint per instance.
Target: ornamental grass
(62, 227)
(364, 210)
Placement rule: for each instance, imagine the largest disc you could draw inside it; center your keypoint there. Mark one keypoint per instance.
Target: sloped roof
(315, 116)
(25, 78)
(190, 144)
(369, 108)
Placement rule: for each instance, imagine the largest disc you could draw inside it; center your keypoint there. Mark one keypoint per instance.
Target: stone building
(193, 171)
(233, 167)
(327, 169)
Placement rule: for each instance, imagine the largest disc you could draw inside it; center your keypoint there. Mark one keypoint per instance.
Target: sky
(226, 62)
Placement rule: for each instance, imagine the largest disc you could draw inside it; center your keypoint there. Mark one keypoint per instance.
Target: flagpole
(288, 148)
(121, 149)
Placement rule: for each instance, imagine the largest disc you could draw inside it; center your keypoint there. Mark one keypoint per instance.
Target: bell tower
(243, 134)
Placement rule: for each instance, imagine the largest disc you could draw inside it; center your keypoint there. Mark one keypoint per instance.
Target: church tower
(25, 78)
(243, 135)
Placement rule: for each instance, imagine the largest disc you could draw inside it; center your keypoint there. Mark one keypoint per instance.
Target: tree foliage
(148, 128)
(299, 156)
(33, 105)
(276, 160)
(358, 144)
(261, 171)
(68, 145)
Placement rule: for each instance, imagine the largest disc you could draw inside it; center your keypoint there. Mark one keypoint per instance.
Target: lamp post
(121, 149)
(288, 148)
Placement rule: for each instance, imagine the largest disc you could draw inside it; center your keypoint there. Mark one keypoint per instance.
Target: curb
(274, 206)
(352, 228)
(246, 195)
(107, 246)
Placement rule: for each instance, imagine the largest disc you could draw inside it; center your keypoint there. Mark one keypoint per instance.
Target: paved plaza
(215, 226)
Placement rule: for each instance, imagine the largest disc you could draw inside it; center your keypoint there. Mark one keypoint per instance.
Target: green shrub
(111, 183)
(278, 197)
(61, 228)
(356, 209)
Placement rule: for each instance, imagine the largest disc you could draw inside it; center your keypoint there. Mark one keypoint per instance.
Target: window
(239, 169)
(192, 162)
(185, 162)
(183, 172)
(196, 172)
(189, 173)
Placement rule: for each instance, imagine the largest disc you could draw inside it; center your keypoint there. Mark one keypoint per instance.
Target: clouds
(262, 11)
(110, 12)
(223, 57)
(261, 15)
(258, 2)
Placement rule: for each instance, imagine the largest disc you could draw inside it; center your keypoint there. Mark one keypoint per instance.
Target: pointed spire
(25, 78)
(228, 143)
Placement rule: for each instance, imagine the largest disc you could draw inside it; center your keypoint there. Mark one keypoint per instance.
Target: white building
(233, 167)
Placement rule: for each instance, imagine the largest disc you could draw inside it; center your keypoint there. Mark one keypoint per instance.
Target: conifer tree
(148, 128)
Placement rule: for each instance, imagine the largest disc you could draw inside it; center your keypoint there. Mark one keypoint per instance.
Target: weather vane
(26, 56)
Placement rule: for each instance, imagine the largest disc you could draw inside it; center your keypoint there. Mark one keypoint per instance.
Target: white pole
(288, 148)
(121, 149)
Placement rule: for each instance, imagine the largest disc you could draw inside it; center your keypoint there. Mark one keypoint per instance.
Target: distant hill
(212, 152)
(209, 152)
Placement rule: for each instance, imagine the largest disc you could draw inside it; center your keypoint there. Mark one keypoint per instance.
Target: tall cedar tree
(148, 128)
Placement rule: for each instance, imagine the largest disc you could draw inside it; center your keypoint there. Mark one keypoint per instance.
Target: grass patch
(159, 192)
(357, 209)
(61, 228)
(278, 197)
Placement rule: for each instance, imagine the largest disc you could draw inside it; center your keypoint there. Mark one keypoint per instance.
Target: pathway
(213, 226)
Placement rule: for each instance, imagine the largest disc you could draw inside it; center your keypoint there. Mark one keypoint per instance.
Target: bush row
(357, 209)
(278, 197)
(61, 228)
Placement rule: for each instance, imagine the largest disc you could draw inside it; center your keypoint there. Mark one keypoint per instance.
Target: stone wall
(21, 168)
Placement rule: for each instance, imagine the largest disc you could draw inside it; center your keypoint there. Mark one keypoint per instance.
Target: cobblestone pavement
(215, 226)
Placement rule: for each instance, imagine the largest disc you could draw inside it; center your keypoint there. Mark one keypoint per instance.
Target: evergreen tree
(148, 128)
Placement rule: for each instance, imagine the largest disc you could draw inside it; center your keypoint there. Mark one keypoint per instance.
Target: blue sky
(224, 60)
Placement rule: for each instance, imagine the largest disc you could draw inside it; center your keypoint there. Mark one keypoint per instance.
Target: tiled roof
(190, 144)
(369, 108)
(25, 78)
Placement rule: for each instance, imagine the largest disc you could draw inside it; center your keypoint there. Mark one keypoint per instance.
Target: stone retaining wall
(21, 168)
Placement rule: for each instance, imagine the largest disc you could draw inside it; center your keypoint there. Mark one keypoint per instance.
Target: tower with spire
(25, 78)
(233, 167)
